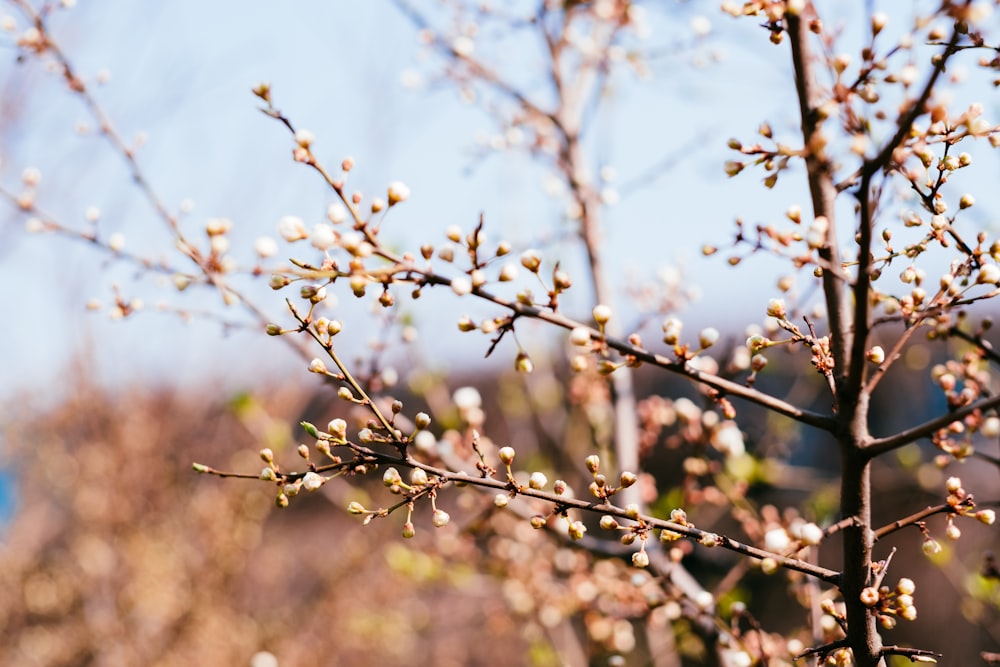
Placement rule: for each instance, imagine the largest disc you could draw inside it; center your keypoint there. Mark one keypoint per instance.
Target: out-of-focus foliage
(118, 555)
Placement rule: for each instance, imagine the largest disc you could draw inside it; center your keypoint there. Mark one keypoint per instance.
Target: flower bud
(531, 260)
(879, 21)
(988, 274)
(608, 522)
(537, 521)
(501, 500)
(811, 534)
(356, 508)
(422, 420)
(537, 481)
(580, 336)
(869, 596)
(931, 547)
(278, 281)
(397, 192)
(440, 518)
(593, 463)
(776, 308)
(508, 272)
(671, 330)
(391, 477)
(602, 314)
(408, 530)
(640, 559)
(312, 481)
(523, 363)
(733, 167)
(708, 337)
(506, 455)
(669, 536)
(292, 228)
(461, 285)
(708, 540)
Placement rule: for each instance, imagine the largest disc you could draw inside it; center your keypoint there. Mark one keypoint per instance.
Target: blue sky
(181, 74)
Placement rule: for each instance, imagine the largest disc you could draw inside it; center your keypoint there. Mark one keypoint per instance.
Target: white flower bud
(398, 192)
(988, 274)
(312, 481)
(336, 213)
(322, 237)
(776, 308)
(776, 540)
(265, 246)
(506, 455)
(116, 241)
(531, 260)
(602, 314)
(990, 427)
(461, 285)
(708, 337)
(672, 330)
(508, 272)
(953, 484)
(304, 138)
(291, 228)
(580, 336)
(811, 534)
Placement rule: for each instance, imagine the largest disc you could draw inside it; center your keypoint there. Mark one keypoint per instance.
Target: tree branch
(879, 446)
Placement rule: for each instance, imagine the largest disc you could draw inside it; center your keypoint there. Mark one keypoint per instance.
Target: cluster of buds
(958, 503)
(537, 481)
(889, 604)
(289, 484)
(599, 487)
(672, 328)
(961, 503)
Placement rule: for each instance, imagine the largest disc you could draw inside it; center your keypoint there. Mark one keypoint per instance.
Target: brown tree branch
(879, 446)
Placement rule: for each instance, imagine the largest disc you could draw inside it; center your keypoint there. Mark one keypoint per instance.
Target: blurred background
(114, 553)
